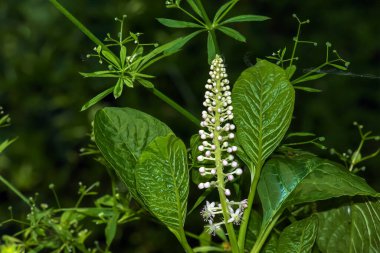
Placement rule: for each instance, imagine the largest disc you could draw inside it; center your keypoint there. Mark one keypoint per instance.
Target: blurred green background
(41, 54)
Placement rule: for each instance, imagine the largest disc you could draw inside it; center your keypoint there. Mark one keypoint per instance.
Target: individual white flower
(235, 216)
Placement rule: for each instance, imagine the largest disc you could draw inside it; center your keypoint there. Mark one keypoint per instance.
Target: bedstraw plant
(258, 191)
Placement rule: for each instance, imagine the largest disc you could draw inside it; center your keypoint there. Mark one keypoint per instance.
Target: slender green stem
(247, 211)
(209, 25)
(191, 16)
(264, 235)
(184, 242)
(14, 189)
(176, 106)
(92, 37)
(295, 43)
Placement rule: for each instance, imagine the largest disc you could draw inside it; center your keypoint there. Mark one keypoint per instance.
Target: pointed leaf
(221, 10)
(105, 73)
(123, 55)
(97, 98)
(111, 227)
(146, 83)
(172, 23)
(118, 89)
(162, 179)
(195, 7)
(290, 71)
(307, 89)
(111, 58)
(211, 51)
(121, 134)
(263, 101)
(245, 18)
(352, 227)
(298, 178)
(338, 66)
(299, 237)
(232, 33)
(308, 78)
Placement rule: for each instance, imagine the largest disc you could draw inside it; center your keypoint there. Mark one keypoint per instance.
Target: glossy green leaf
(299, 237)
(232, 33)
(211, 50)
(298, 178)
(172, 23)
(111, 228)
(271, 245)
(352, 227)
(118, 89)
(263, 101)
(308, 78)
(97, 98)
(245, 18)
(121, 134)
(162, 179)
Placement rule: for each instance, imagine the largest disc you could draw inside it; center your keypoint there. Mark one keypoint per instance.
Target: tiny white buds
(231, 135)
(225, 163)
(234, 164)
(238, 171)
(208, 153)
(202, 170)
(207, 185)
(201, 148)
(227, 192)
(200, 158)
(201, 186)
(230, 177)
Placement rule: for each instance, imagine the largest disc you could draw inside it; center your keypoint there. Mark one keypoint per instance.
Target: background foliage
(41, 54)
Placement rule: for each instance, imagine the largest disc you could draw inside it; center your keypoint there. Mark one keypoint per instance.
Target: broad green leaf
(245, 18)
(299, 237)
(352, 227)
(162, 180)
(118, 89)
(172, 23)
(222, 10)
(121, 134)
(253, 229)
(263, 101)
(232, 33)
(211, 50)
(308, 78)
(271, 245)
(111, 227)
(97, 98)
(307, 89)
(298, 178)
(111, 58)
(195, 7)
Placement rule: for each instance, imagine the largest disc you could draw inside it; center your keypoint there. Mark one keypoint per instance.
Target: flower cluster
(216, 146)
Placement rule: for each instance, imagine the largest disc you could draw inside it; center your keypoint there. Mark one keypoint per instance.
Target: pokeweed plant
(303, 203)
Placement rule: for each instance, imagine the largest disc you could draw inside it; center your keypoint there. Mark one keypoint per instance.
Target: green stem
(209, 25)
(191, 16)
(264, 235)
(295, 44)
(247, 211)
(175, 106)
(184, 242)
(14, 189)
(92, 37)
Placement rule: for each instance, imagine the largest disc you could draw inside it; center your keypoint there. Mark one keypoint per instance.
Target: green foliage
(351, 227)
(163, 163)
(299, 237)
(121, 135)
(263, 100)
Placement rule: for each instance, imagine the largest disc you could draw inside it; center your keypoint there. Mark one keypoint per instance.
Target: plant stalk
(14, 190)
(264, 235)
(247, 211)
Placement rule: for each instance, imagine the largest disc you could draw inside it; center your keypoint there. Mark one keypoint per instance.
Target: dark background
(41, 54)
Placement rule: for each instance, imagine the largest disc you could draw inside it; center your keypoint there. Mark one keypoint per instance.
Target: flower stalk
(218, 158)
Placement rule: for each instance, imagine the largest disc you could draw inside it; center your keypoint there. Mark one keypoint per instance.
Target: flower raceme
(217, 150)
